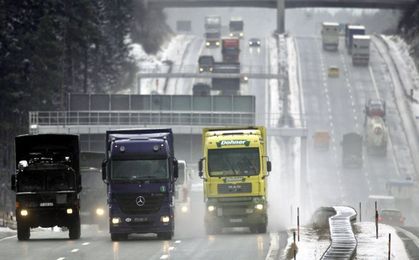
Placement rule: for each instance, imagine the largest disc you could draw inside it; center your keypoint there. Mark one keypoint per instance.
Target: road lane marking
(7, 238)
(85, 243)
(164, 257)
(178, 242)
(75, 250)
(171, 248)
(61, 258)
(273, 247)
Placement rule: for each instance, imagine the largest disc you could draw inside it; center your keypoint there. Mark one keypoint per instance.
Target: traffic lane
(189, 62)
(323, 177)
(48, 244)
(399, 146)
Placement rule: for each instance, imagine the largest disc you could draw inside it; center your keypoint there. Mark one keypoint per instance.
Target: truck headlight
(165, 219)
(100, 212)
(208, 43)
(259, 206)
(231, 34)
(241, 34)
(211, 208)
(201, 69)
(116, 221)
(69, 211)
(217, 43)
(24, 212)
(184, 209)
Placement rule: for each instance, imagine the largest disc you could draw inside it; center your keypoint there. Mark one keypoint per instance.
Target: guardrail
(343, 244)
(94, 118)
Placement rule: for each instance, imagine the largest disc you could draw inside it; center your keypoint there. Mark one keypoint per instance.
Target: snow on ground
(371, 248)
(409, 75)
(172, 51)
(314, 242)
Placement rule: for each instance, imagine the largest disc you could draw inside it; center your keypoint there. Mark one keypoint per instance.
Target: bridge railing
(244, 69)
(142, 118)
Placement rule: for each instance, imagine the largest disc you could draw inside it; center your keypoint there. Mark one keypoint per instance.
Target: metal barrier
(343, 244)
(94, 118)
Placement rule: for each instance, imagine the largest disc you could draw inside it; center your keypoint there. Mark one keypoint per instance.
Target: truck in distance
(352, 150)
(183, 187)
(47, 183)
(236, 27)
(140, 172)
(212, 31)
(206, 63)
(375, 107)
(330, 36)
(93, 207)
(361, 50)
(234, 170)
(376, 136)
(350, 31)
(201, 89)
(230, 49)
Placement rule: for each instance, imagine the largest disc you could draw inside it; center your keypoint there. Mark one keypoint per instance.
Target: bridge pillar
(280, 16)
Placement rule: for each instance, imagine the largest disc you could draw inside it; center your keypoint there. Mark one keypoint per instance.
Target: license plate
(141, 219)
(236, 220)
(46, 204)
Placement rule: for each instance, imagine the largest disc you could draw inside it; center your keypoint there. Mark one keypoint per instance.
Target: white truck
(183, 187)
(361, 50)
(212, 30)
(330, 36)
(376, 136)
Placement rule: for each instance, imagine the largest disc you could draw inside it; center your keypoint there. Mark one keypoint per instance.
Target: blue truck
(47, 183)
(140, 171)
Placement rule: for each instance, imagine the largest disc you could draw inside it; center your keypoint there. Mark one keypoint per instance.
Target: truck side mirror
(104, 170)
(268, 166)
(201, 167)
(13, 182)
(175, 169)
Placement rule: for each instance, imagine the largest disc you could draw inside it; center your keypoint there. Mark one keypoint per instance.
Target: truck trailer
(350, 31)
(47, 183)
(376, 136)
(234, 170)
(361, 50)
(140, 171)
(330, 36)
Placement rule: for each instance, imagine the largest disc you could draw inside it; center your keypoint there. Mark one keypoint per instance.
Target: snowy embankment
(171, 52)
(314, 242)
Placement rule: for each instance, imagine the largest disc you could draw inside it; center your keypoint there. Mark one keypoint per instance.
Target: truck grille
(234, 188)
(128, 203)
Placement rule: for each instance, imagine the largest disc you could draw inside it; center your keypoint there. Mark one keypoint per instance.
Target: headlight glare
(100, 212)
(165, 219)
(24, 212)
(259, 206)
(116, 221)
(69, 211)
(211, 208)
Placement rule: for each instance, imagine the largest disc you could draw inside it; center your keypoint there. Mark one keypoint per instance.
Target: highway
(337, 106)
(330, 104)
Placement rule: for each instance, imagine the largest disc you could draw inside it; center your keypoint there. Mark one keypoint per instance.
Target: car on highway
(254, 42)
(392, 217)
(333, 72)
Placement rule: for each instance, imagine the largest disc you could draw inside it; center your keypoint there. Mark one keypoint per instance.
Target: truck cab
(206, 63)
(234, 170)
(361, 50)
(236, 27)
(140, 171)
(330, 36)
(47, 183)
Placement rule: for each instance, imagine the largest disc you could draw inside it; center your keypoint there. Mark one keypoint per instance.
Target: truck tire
(165, 235)
(74, 229)
(118, 237)
(212, 229)
(23, 232)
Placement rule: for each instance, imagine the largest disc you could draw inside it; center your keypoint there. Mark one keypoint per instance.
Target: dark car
(206, 63)
(375, 107)
(392, 217)
(254, 42)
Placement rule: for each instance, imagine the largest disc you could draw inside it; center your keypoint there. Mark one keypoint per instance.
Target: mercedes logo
(140, 201)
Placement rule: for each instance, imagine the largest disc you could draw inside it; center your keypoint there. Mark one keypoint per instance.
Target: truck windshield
(236, 26)
(46, 181)
(139, 169)
(233, 162)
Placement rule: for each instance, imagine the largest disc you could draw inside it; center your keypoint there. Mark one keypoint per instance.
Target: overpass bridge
(90, 116)
(280, 5)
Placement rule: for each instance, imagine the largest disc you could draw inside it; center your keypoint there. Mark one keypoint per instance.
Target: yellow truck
(234, 170)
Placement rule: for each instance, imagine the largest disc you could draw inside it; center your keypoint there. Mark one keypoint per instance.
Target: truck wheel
(212, 229)
(165, 235)
(74, 229)
(23, 232)
(119, 237)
